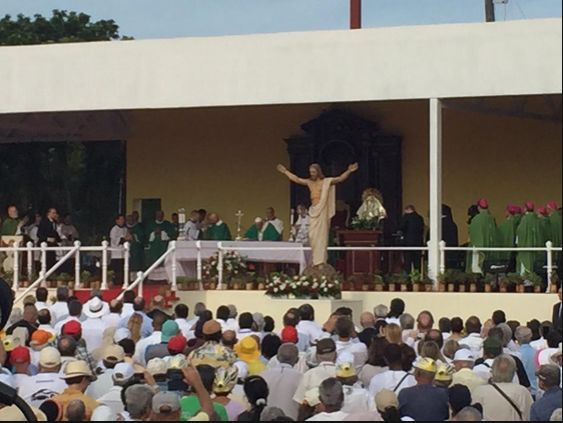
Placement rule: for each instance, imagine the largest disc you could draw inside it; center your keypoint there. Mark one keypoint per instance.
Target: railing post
(174, 270)
(16, 281)
(442, 257)
(126, 254)
(199, 267)
(549, 246)
(43, 264)
(220, 266)
(77, 265)
(140, 275)
(105, 265)
(30, 261)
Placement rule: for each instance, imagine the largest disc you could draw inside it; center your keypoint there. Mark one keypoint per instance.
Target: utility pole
(490, 10)
(355, 14)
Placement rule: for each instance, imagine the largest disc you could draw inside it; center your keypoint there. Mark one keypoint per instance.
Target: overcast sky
(181, 18)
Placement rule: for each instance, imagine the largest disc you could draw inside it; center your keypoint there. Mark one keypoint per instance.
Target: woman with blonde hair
(134, 325)
(393, 334)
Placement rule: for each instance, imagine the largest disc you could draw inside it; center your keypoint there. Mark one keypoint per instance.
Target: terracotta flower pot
(442, 287)
(503, 288)
(473, 287)
(366, 287)
(461, 287)
(404, 287)
(488, 287)
(250, 286)
(537, 289)
(553, 288)
(451, 287)
(520, 288)
(261, 286)
(429, 287)
(391, 287)
(379, 287)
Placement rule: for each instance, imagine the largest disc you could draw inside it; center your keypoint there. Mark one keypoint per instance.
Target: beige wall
(224, 159)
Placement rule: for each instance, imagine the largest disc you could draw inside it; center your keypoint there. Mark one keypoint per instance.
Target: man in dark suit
(47, 232)
(557, 309)
(412, 229)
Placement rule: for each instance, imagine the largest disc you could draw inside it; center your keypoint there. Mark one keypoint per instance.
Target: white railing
(141, 276)
(68, 253)
(549, 249)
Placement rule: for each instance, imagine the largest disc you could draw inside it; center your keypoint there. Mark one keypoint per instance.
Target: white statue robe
(319, 220)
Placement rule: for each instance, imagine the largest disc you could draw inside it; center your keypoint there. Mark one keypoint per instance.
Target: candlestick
(239, 214)
(292, 217)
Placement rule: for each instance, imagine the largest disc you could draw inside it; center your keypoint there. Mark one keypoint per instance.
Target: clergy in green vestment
(159, 233)
(517, 215)
(262, 231)
(555, 227)
(10, 226)
(528, 235)
(506, 234)
(137, 245)
(217, 230)
(545, 224)
(482, 233)
(164, 225)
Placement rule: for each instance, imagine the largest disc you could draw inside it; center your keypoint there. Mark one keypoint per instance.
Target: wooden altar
(362, 264)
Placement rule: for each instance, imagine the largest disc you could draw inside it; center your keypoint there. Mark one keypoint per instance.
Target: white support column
(174, 268)
(77, 266)
(199, 265)
(549, 246)
(43, 264)
(105, 265)
(30, 262)
(126, 258)
(140, 275)
(220, 266)
(442, 256)
(435, 188)
(16, 281)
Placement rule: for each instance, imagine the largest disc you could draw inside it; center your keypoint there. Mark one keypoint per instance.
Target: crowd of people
(128, 361)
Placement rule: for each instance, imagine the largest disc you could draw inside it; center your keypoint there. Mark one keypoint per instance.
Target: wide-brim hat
(94, 308)
(76, 368)
(247, 349)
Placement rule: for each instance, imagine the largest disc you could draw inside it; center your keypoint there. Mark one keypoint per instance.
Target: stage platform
(521, 307)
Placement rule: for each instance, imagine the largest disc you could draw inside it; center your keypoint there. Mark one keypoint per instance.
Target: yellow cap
(426, 364)
(345, 370)
(444, 373)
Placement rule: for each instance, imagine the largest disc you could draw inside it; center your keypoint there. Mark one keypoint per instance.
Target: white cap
(258, 220)
(123, 372)
(464, 355)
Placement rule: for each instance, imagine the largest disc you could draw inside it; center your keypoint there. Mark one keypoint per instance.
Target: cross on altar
(239, 214)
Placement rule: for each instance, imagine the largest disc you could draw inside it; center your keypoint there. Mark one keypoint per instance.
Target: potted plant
(461, 281)
(427, 283)
(63, 279)
(111, 277)
(250, 281)
(404, 281)
(452, 278)
(378, 282)
(472, 278)
(390, 282)
(261, 281)
(536, 281)
(182, 282)
(554, 281)
(512, 281)
(85, 277)
(488, 282)
(415, 278)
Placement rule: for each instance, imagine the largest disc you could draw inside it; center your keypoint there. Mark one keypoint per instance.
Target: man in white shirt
(153, 339)
(395, 379)
(47, 383)
(326, 357)
(193, 227)
(232, 322)
(112, 355)
(246, 321)
(283, 380)
(41, 294)
(495, 406)
(93, 328)
(181, 315)
(112, 319)
(122, 374)
(301, 228)
(473, 339)
(345, 331)
(128, 307)
(307, 324)
(272, 219)
(59, 310)
(118, 236)
(44, 319)
(74, 312)
(331, 396)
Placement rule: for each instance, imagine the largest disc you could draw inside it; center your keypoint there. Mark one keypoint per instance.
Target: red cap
(20, 355)
(289, 334)
(542, 210)
(177, 344)
(552, 205)
(72, 328)
(483, 203)
(517, 210)
(511, 208)
(529, 206)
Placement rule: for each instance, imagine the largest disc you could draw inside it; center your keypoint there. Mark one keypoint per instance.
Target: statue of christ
(323, 204)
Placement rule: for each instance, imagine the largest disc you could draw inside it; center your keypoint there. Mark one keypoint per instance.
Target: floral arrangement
(234, 266)
(280, 285)
(361, 224)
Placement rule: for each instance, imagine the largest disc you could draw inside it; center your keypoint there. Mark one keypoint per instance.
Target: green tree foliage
(85, 179)
(61, 27)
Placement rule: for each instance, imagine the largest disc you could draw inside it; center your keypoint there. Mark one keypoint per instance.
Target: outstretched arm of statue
(293, 178)
(351, 169)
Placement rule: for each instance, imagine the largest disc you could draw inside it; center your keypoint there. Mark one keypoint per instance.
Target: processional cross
(239, 214)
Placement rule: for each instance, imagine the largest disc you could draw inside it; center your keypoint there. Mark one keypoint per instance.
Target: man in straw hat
(77, 377)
